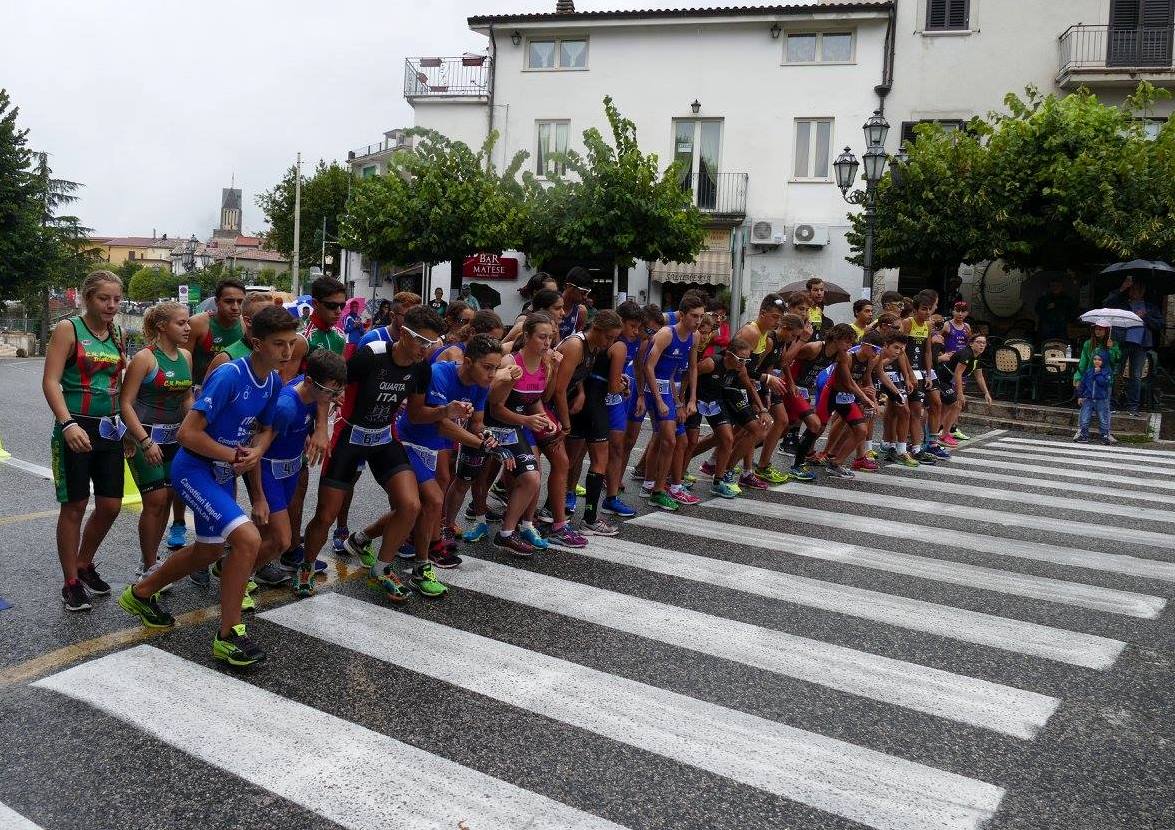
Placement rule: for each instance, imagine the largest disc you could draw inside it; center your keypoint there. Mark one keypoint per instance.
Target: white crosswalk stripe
(1072, 647)
(12, 820)
(1094, 449)
(997, 460)
(977, 702)
(374, 780)
(1023, 521)
(1015, 548)
(857, 783)
(1078, 454)
(1144, 473)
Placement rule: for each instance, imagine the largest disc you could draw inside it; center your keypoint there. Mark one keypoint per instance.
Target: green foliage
(440, 202)
(618, 205)
(127, 270)
(324, 196)
(1055, 183)
(21, 206)
(151, 284)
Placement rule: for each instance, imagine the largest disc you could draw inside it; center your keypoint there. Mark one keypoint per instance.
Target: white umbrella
(1117, 318)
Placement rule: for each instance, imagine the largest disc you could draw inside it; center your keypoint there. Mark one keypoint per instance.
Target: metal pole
(294, 278)
(867, 279)
(322, 256)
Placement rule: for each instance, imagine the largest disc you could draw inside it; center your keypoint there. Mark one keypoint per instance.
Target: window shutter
(1157, 13)
(957, 14)
(1124, 13)
(947, 14)
(936, 14)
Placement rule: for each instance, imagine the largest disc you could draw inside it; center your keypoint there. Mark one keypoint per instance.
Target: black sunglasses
(331, 306)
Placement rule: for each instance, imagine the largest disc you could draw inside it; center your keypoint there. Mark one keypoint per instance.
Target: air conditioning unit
(811, 235)
(768, 232)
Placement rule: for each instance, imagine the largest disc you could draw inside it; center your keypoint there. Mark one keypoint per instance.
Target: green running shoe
(424, 579)
(690, 479)
(366, 553)
(723, 490)
(304, 580)
(388, 584)
(771, 475)
(907, 460)
(580, 491)
(149, 611)
(664, 501)
(237, 649)
(248, 604)
(959, 435)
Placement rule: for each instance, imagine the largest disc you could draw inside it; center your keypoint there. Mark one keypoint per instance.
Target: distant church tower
(230, 213)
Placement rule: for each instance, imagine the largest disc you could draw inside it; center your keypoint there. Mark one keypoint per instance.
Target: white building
(758, 101)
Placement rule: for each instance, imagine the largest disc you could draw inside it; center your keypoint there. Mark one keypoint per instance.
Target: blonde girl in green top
(83, 370)
(156, 395)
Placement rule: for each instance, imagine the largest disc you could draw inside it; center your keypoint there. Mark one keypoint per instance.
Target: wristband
(146, 443)
(70, 423)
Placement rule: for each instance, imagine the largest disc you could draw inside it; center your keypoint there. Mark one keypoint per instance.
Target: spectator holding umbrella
(1100, 340)
(1136, 341)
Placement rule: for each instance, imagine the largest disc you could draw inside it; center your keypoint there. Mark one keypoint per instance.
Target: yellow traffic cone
(130, 493)
(3, 452)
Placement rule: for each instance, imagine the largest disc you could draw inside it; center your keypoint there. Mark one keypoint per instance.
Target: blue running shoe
(533, 538)
(616, 507)
(406, 551)
(939, 452)
(477, 533)
(340, 540)
(570, 503)
(177, 536)
(801, 473)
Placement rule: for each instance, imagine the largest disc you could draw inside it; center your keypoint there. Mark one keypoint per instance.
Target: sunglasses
(334, 393)
(331, 306)
(420, 339)
(740, 359)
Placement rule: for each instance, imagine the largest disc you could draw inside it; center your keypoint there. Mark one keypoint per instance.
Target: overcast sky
(155, 105)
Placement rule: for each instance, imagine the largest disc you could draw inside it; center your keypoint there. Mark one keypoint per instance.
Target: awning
(713, 267)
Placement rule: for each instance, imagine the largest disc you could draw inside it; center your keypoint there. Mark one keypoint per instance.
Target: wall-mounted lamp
(775, 30)
(516, 37)
(695, 106)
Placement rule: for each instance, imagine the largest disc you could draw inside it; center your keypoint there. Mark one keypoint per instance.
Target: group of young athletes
(442, 411)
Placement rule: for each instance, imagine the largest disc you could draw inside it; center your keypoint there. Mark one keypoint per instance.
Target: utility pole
(322, 256)
(294, 278)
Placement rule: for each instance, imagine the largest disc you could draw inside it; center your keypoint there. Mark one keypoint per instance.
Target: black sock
(595, 486)
(807, 442)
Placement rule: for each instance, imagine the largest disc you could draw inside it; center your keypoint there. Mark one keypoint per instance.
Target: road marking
(12, 820)
(1076, 500)
(1095, 449)
(1143, 470)
(982, 543)
(1020, 521)
(1081, 477)
(29, 467)
(1074, 490)
(855, 782)
(1078, 455)
(374, 780)
(943, 694)
(28, 517)
(1072, 647)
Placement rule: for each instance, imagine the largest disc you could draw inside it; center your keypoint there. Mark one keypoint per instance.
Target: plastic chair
(1058, 376)
(1007, 369)
(1055, 343)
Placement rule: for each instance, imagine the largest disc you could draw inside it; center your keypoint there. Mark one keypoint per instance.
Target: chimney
(565, 7)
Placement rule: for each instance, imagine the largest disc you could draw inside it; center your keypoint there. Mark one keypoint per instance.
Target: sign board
(182, 293)
(490, 267)
(194, 294)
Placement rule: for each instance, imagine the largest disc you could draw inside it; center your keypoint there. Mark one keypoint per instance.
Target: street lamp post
(845, 167)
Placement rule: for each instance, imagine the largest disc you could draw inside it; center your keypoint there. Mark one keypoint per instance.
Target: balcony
(720, 195)
(1116, 56)
(427, 79)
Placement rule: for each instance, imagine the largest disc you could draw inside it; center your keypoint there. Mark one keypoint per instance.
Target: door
(1140, 33)
(697, 145)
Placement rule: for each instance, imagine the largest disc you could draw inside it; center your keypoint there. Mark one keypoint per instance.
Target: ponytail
(157, 315)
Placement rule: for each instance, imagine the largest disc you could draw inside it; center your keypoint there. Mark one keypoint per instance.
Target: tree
(20, 205)
(618, 205)
(152, 283)
(324, 196)
(441, 202)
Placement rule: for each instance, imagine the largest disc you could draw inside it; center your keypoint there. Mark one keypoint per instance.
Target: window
(369, 171)
(559, 53)
(948, 15)
(813, 147)
(552, 138)
(819, 47)
(697, 145)
(948, 124)
(130, 255)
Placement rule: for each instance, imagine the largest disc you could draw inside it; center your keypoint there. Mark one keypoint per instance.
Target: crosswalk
(803, 651)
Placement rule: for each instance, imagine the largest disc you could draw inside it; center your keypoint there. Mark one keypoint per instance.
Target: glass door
(697, 145)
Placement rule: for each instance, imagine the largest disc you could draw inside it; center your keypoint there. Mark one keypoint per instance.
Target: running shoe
(939, 452)
(449, 538)
(248, 604)
(801, 473)
(750, 479)
(95, 584)
(707, 468)
(818, 459)
(477, 533)
(925, 456)
(200, 577)
(637, 474)
(689, 479)
(646, 489)
(871, 455)
(568, 537)
(683, 496)
(424, 580)
(407, 551)
(444, 558)
(304, 584)
(141, 572)
(272, 574)
(544, 516)
(664, 501)
(366, 552)
(499, 494)
(514, 545)
(907, 460)
(533, 537)
(177, 536)
(491, 516)
(387, 583)
(890, 454)
(616, 507)
(291, 560)
(569, 503)
(237, 649)
(600, 527)
(959, 435)
(580, 491)
(340, 541)
(837, 471)
(865, 465)
(729, 479)
(1081, 439)
(149, 611)
(771, 475)
(723, 490)
(74, 596)
(1109, 439)
(948, 439)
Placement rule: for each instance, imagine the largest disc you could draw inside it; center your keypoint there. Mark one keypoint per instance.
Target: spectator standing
(1136, 342)
(383, 314)
(437, 303)
(1054, 311)
(466, 296)
(1094, 396)
(1100, 340)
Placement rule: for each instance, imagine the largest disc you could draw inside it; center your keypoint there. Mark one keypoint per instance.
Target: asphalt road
(987, 643)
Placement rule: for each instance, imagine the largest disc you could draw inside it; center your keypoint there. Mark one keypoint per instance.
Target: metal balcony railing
(723, 194)
(464, 77)
(1116, 47)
